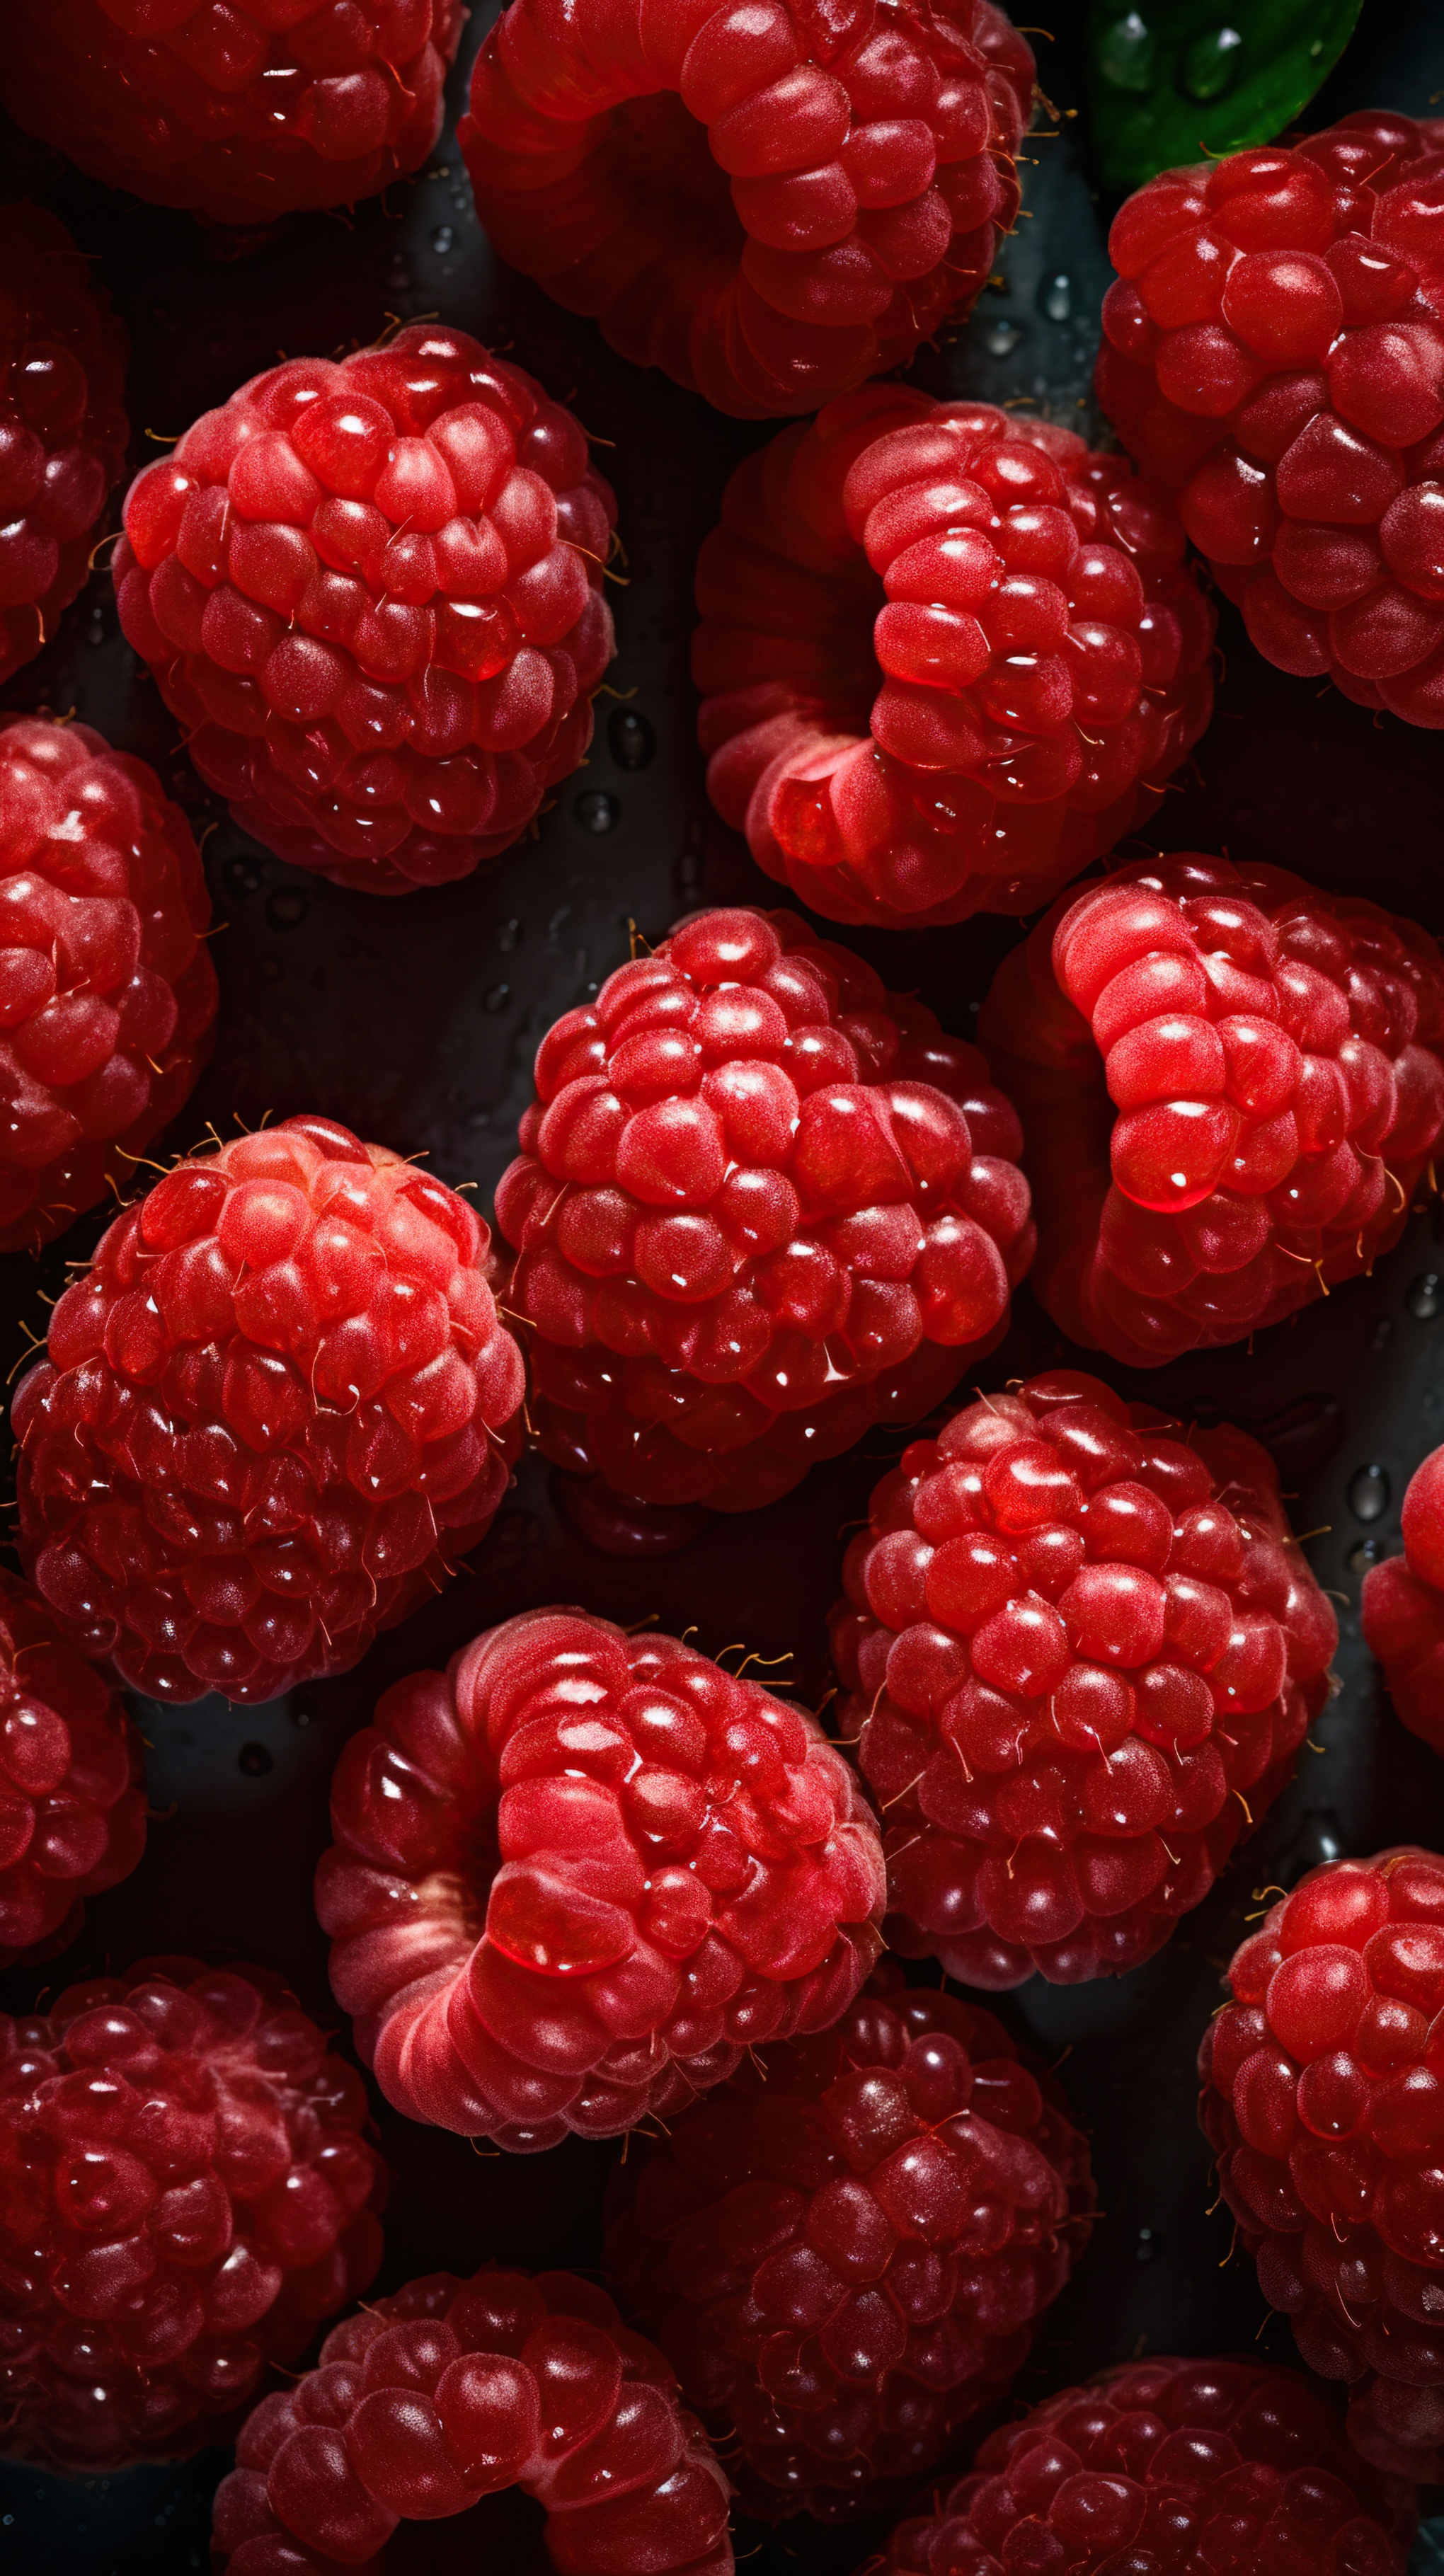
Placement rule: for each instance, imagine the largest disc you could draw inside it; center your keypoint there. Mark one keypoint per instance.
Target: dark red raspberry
(1275, 350)
(272, 1411)
(72, 1800)
(618, 1867)
(240, 111)
(1275, 1059)
(63, 428)
(761, 1204)
(966, 732)
(845, 2252)
(1323, 2103)
(1080, 1649)
(768, 202)
(371, 591)
(1402, 1607)
(107, 991)
(1166, 2468)
(187, 2187)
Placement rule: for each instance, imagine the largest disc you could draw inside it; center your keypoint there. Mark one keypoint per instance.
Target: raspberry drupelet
(947, 657)
(63, 428)
(187, 2187)
(242, 112)
(72, 1799)
(1080, 1651)
(107, 991)
(1166, 2468)
(770, 202)
(270, 1414)
(450, 2391)
(845, 2252)
(1323, 2104)
(1231, 1084)
(1274, 349)
(761, 1204)
(371, 591)
(1402, 1607)
(578, 1873)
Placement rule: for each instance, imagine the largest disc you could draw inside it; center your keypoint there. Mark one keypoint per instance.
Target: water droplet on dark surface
(1424, 1296)
(240, 877)
(444, 238)
(286, 907)
(1002, 339)
(596, 811)
(497, 999)
(255, 1760)
(631, 739)
(1147, 2243)
(1211, 64)
(1368, 1496)
(1126, 51)
(508, 937)
(304, 1710)
(1055, 298)
(1365, 1552)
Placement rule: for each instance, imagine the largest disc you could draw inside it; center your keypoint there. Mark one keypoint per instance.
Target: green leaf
(1172, 81)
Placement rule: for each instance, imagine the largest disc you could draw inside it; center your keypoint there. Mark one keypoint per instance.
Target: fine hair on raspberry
(1274, 349)
(1401, 1607)
(761, 1204)
(1321, 2101)
(72, 1795)
(107, 990)
(1231, 1085)
(272, 1411)
(187, 2187)
(622, 1866)
(371, 590)
(845, 2252)
(1080, 1649)
(770, 203)
(947, 657)
(451, 2391)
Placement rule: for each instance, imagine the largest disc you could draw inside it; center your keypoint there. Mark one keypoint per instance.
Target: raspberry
(451, 2390)
(845, 2252)
(271, 1412)
(62, 421)
(761, 1204)
(371, 591)
(240, 112)
(1402, 1608)
(968, 733)
(1273, 1054)
(72, 1801)
(1081, 1650)
(618, 1866)
(1165, 2468)
(107, 991)
(770, 202)
(1274, 349)
(187, 2186)
(1322, 2102)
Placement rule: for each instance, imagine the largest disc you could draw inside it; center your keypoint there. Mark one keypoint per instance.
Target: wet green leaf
(1172, 81)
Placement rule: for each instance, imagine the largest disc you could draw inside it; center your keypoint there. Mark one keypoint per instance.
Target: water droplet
(1002, 339)
(1125, 56)
(255, 1760)
(240, 877)
(398, 275)
(497, 999)
(1368, 1493)
(596, 811)
(1366, 1552)
(1055, 298)
(286, 907)
(631, 738)
(304, 1709)
(1147, 2244)
(1382, 1335)
(1424, 1296)
(1211, 64)
(508, 937)
(444, 238)
(96, 631)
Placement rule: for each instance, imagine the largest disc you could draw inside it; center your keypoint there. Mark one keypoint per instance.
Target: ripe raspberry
(241, 111)
(761, 1204)
(1273, 1054)
(1323, 2103)
(62, 421)
(187, 2187)
(72, 1801)
(1402, 1607)
(1073, 1639)
(972, 739)
(618, 1866)
(107, 991)
(371, 591)
(1275, 350)
(452, 2390)
(1166, 2468)
(769, 203)
(844, 2253)
(276, 1406)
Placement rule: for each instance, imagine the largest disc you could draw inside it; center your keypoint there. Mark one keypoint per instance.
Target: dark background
(416, 1022)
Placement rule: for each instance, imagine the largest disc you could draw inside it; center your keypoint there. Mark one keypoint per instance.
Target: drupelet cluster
(72, 1802)
(1401, 1607)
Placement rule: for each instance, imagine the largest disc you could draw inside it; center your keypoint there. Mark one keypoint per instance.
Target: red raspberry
(761, 1204)
(451, 2390)
(187, 2186)
(1006, 712)
(240, 112)
(768, 202)
(1275, 1057)
(1402, 1607)
(107, 991)
(1081, 1650)
(618, 1867)
(1166, 2468)
(844, 2254)
(1275, 350)
(72, 1799)
(371, 591)
(1323, 2104)
(273, 1410)
(62, 421)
